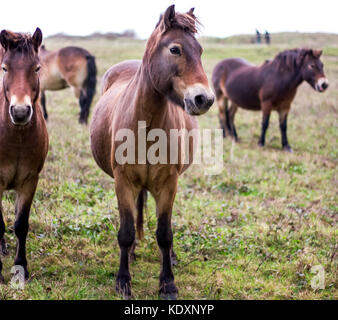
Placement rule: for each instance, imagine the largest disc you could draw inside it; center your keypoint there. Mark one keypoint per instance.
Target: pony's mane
(187, 22)
(21, 42)
(290, 60)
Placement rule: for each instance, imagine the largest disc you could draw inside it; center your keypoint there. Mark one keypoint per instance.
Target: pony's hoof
(260, 144)
(2, 279)
(3, 247)
(287, 149)
(168, 291)
(123, 287)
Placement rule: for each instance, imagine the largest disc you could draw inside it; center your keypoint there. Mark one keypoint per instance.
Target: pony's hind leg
(43, 104)
(231, 120)
(283, 115)
(223, 109)
(164, 204)
(23, 204)
(80, 94)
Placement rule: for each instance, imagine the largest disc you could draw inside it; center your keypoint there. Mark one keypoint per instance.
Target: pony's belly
(253, 107)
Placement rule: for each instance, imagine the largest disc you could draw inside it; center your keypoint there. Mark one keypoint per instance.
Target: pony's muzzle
(198, 100)
(322, 84)
(21, 115)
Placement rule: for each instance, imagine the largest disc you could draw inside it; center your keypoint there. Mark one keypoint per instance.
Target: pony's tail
(141, 203)
(89, 87)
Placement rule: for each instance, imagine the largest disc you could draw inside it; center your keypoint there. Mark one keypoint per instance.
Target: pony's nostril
(200, 100)
(325, 85)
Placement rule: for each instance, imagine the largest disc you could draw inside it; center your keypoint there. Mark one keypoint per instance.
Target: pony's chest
(18, 164)
(14, 174)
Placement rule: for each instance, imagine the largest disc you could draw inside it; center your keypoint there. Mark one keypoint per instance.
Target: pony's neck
(290, 80)
(148, 102)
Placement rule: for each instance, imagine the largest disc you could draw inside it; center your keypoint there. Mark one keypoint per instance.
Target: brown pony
(23, 133)
(69, 67)
(165, 91)
(272, 86)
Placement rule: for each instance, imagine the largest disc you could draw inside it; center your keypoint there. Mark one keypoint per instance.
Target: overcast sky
(220, 17)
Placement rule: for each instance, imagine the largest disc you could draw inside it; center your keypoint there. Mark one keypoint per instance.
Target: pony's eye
(4, 69)
(37, 69)
(312, 66)
(175, 51)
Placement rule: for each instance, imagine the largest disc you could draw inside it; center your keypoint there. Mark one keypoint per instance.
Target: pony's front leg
(126, 235)
(283, 115)
(165, 200)
(23, 204)
(3, 249)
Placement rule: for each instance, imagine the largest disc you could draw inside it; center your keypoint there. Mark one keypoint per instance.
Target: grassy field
(252, 232)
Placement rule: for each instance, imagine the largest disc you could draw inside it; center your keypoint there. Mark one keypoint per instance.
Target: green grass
(252, 232)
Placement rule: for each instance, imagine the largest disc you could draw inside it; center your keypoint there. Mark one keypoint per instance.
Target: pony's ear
(5, 39)
(191, 12)
(37, 39)
(317, 53)
(169, 16)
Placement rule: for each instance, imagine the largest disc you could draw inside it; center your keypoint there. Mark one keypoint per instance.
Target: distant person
(258, 37)
(267, 37)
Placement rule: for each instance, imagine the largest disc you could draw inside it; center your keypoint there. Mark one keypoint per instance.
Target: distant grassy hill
(289, 39)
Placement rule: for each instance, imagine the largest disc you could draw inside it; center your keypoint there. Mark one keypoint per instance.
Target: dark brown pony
(272, 86)
(166, 90)
(69, 67)
(23, 133)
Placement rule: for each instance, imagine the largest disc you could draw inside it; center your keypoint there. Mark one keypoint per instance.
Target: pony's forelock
(21, 42)
(187, 22)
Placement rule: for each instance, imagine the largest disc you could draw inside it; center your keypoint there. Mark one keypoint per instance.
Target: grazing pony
(69, 67)
(23, 133)
(165, 90)
(272, 86)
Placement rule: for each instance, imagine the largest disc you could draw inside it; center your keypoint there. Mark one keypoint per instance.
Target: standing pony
(69, 67)
(165, 90)
(272, 86)
(23, 133)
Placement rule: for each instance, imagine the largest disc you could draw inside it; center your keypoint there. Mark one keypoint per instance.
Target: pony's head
(173, 58)
(20, 64)
(307, 62)
(313, 70)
